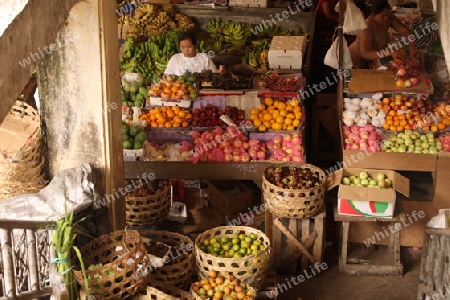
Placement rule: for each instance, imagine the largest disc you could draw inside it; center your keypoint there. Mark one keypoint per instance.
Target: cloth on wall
(442, 9)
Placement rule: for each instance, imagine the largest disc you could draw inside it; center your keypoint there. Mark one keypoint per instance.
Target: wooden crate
(298, 239)
(435, 271)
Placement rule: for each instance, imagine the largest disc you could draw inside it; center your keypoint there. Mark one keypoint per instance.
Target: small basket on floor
(22, 157)
(178, 271)
(117, 266)
(141, 212)
(250, 269)
(295, 203)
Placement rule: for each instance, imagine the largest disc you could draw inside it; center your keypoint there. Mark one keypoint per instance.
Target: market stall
(398, 121)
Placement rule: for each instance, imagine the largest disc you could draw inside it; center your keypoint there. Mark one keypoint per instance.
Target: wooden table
(393, 268)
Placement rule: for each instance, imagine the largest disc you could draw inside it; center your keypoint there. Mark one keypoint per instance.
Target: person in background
(370, 41)
(189, 60)
(326, 15)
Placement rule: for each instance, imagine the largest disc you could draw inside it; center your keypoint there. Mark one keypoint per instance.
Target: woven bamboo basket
(123, 265)
(179, 270)
(142, 212)
(195, 296)
(295, 203)
(167, 293)
(250, 269)
(22, 157)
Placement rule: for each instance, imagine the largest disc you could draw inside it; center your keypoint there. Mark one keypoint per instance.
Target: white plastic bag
(332, 56)
(353, 19)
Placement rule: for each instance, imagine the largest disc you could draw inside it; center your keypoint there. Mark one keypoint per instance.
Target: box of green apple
(368, 192)
(133, 138)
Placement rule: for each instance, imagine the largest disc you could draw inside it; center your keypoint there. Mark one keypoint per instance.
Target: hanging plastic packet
(58, 286)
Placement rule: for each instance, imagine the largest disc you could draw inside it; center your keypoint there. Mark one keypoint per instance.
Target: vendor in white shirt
(189, 60)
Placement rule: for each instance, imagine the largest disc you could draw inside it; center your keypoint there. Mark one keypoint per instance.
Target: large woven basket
(250, 269)
(295, 203)
(166, 293)
(141, 212)
(179, 270)
(124, 269)
(22, 157)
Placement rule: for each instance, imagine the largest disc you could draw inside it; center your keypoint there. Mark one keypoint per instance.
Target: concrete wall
(77, 83)
(32, 30)
(69, 83)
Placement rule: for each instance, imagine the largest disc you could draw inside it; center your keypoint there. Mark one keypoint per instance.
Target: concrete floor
(332, 286)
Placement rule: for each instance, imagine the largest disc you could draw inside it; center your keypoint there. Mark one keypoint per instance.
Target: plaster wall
(30, 31)
(69, 81)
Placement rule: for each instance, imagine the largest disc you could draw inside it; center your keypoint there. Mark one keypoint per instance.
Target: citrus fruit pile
(167, 117)
(175, 88)
(220, 287)
(236, 246)
(277, 115)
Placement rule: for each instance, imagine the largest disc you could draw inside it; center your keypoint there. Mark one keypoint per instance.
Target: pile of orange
(167, 117)
(398, 120)
(173, 90)
(277, 115)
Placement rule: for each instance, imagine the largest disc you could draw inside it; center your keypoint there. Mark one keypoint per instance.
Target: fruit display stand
(385, 267)
(424, 166)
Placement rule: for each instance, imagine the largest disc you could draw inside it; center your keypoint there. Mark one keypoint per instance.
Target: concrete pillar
(79, 93)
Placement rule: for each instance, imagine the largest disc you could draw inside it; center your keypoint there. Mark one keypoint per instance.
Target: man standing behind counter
(189, 60)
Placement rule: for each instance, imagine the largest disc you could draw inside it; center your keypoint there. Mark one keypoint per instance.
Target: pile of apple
(288, 147)
(365, 180)
(412, 142)
(445, 142)
(407, 72)
(361, 138)
(226, 145)
(363, 111)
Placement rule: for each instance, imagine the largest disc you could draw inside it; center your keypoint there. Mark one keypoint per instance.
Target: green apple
(346, 181)
(372, 182)
(430, 135)
(394, 149)
(364, 182)
(425, 145)
(363, 175)
(408, 142)
(401, 149)
(426, 151)
(400, 141)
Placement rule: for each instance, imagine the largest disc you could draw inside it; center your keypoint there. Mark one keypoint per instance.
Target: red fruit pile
(282, 84)
(207, 116)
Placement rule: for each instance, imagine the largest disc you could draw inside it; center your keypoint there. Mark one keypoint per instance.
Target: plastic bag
(332, 56)
(353, 19)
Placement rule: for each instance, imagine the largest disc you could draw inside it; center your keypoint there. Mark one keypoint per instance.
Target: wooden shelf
(206, 170)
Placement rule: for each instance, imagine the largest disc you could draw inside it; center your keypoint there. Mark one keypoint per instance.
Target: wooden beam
(25, 38)
(109, 49)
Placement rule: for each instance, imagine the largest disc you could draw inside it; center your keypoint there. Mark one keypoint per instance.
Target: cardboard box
(230, 197)
(286, 52)
(390, 160)
(367, 202)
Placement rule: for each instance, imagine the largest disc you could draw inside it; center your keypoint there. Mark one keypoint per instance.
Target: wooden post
(8, 263)
(33, 267)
